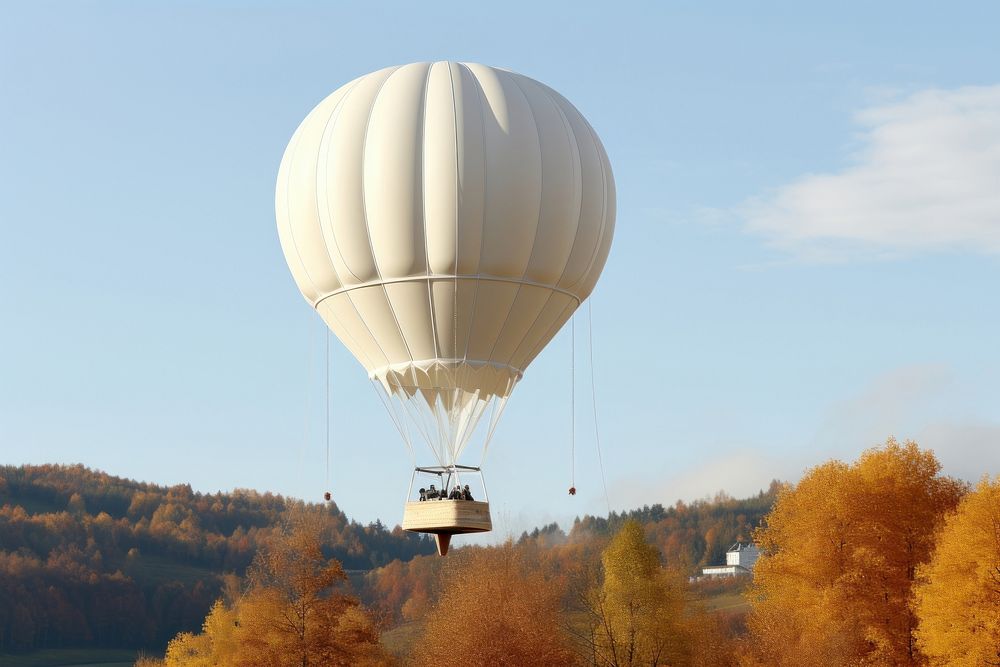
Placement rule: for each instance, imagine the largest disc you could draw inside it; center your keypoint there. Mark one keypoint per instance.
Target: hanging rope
(572, 405)
(326, 495)
(593, 396)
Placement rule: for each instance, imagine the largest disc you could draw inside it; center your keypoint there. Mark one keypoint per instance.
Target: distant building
(740, 560)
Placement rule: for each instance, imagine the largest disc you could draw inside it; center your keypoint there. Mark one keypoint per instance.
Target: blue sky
(806, 258)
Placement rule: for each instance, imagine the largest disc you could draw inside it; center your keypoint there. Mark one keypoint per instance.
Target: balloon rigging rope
(398, 418)
(572, 402)
(328, 409)
(593, 397)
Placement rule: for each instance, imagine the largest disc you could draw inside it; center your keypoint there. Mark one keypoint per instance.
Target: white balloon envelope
(445, 220)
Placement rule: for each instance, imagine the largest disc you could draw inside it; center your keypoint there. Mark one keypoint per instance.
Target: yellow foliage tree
(957, 598)
(840, 555)
(291, 614)
(215, 645)
(639, 606)
(498, 608)
(641, 612)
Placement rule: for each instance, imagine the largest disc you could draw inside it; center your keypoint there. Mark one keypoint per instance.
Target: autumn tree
(840, 554)
(497, 608)
(957, 598)
(216, 644)
(641, 612)
(293, 612)
(76, 504)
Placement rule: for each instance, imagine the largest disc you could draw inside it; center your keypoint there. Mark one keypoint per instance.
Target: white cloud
(926, 180)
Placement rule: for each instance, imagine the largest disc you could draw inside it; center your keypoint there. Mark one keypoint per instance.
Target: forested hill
(687, 536)
(693, 534)
(91, 559)
(88, 559)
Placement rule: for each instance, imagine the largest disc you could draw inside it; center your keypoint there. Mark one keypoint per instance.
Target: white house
(740, 559)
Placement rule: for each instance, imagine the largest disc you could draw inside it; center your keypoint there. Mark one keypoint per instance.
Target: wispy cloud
(966, 449)
(919, 402)
(740, 471)
(891, 403)
(925, 180)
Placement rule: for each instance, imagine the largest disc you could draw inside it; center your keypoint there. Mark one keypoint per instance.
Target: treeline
(616, 604)
(690, 535)
(88, 559)
(499, 605)
(687, 535)
(883, 561)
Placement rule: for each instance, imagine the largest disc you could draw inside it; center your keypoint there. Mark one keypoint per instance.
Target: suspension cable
(327, 409)
(593, 397)
(397, 416)
(572, 405)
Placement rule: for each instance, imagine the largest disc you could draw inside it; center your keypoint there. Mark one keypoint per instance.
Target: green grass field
(70, 657)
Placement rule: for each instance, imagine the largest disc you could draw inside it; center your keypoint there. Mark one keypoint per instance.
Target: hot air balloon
(445, 220)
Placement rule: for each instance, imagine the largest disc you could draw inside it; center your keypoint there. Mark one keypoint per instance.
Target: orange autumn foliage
(404, 591)
(840, 554)
(292, 613)
(957, 598)
(498, 608)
